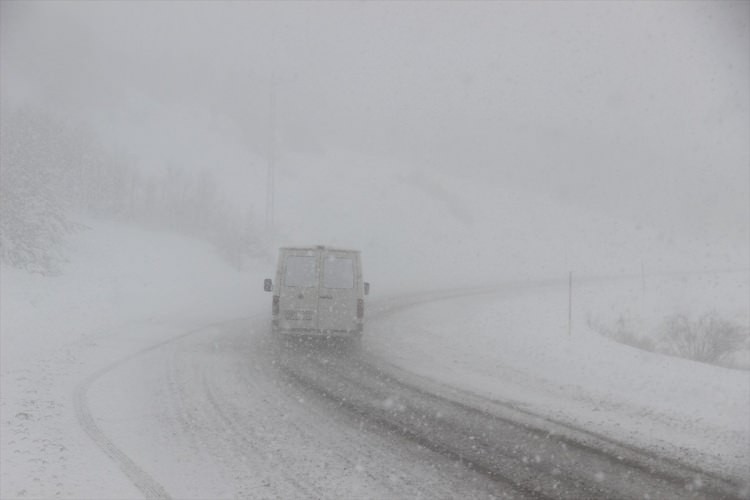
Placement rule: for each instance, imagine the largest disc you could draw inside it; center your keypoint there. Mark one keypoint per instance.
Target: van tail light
(360, 308)
(275, 305)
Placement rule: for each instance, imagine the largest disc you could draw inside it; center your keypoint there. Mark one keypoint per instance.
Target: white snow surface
(126, 289)
(123, 290)
(514, 347)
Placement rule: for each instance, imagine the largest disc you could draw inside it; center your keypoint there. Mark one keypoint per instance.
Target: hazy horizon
(636, 110)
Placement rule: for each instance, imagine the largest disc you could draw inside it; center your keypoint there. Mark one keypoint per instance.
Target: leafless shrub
(710, 338)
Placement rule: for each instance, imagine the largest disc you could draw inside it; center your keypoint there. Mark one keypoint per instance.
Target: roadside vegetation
(707, 338)
(53, 172)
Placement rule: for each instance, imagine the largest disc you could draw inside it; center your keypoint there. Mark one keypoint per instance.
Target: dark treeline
(50, 170)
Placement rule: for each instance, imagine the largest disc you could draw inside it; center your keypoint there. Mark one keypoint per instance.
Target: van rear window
(338, 272)
(301, 271)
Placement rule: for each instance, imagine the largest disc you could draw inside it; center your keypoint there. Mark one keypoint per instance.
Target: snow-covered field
(126, 289)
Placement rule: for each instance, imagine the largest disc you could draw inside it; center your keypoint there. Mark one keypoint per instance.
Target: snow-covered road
(123, 381)
(225, 411)
(218, 418)
(512, 346)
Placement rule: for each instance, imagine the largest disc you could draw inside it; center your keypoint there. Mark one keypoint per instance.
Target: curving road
(226, 411)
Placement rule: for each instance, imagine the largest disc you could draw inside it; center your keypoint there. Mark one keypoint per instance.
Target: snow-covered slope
(124, 289)
(116, 274)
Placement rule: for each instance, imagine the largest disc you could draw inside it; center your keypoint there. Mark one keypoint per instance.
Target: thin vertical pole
(270, 188)
(272, 118)
(643, 278)
(570, 303)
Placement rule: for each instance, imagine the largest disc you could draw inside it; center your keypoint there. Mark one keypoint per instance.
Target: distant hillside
(420, 228)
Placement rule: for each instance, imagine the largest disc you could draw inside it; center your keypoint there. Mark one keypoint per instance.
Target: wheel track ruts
(323, 415)
(195, 414)
(663, 468)
(139, 477)
(379, 420)
(247, 379)
(667, 469)
(661, 471)
(336, 381)
(183, 414)
(249, 440)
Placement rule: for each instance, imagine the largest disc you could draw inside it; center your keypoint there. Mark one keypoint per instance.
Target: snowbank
(515, 347)
(124, 289)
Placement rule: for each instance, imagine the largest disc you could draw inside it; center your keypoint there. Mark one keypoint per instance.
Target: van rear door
(339, 291)
(298, 297)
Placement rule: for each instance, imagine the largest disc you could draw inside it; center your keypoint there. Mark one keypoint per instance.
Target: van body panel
(339, 291)
(319, 290)
(298, 291)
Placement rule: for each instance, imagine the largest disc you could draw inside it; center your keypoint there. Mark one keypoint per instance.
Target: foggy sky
(637, 109)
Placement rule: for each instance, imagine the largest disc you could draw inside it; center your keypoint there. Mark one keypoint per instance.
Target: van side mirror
(367, 288)
(267, 285)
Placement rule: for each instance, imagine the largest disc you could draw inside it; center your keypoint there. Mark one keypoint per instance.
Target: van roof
(320, 247)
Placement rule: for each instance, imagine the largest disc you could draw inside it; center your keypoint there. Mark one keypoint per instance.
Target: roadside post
(570, 303)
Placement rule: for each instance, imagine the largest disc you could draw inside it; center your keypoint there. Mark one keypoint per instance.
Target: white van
(318, 291)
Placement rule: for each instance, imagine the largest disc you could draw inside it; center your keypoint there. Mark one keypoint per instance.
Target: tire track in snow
(537, 459)
(593, 465)
(307, 446)
(142, 480)
(242, 438)
(136, 474)
(330, 389)
(359, 447)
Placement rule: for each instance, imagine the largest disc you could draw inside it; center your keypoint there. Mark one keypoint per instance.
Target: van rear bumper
(314, 332)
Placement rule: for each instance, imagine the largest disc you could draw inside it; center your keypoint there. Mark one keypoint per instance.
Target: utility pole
(270, 175)
(270, 181)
